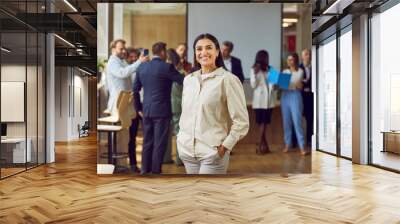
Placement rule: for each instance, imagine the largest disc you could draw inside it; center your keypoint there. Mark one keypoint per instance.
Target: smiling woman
(214, 113)
(220, 91)
(207, 53)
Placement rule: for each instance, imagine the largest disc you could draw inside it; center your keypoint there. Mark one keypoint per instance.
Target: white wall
(71, 94)
(118, 20)
(250, 26)
(102, 30)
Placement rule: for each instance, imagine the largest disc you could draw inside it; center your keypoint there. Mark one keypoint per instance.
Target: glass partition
(327, 96)
(14, 151)
(22, 77)
(385, 89)
(346, 93)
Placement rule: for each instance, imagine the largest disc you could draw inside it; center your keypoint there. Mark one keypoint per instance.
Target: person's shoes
(263, 149)
(304, 152)
(168, 161)
(266, 149)
(135, 169)
(178, 163)
(285, 150)
(258, 149)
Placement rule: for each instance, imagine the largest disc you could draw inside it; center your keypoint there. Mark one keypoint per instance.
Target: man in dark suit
(156, 77)
(308, 97)
(233, 64)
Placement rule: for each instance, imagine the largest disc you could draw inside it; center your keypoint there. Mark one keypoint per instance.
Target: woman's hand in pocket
(221, 151)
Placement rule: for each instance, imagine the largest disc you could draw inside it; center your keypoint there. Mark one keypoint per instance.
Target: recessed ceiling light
(290, 20)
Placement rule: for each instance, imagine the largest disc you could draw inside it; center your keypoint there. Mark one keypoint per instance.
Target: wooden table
(391, 141)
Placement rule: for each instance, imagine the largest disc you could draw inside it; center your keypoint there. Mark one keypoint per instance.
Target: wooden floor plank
(70, 191)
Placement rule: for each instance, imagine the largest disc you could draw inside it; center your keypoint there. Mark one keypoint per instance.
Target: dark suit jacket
(156, 77)
(306, 85)
(237, 68)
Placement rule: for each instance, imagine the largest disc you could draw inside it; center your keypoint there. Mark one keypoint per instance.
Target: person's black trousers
(308, 112)
(133, 130)
(155, 131)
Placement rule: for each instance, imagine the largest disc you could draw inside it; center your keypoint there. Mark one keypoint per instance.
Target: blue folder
(284, 80)
(273, 76)
(278, 78)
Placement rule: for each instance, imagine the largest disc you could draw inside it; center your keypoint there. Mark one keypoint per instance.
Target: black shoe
(168, 161)
(135, 169)
(179, 163)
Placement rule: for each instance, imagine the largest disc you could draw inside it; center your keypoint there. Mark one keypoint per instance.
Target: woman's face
(206, 53)
(181, 50)
(290, 61)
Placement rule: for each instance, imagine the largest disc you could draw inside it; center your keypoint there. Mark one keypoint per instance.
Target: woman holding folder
(264, 97)
(292, 104)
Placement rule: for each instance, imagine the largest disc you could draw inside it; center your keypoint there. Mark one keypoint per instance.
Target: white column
(314, 90)
(50, 94)
(360, 90)
(118, 21)
(102, 30)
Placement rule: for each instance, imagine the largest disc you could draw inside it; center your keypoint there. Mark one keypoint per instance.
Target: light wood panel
(69, 191)
(149, 29)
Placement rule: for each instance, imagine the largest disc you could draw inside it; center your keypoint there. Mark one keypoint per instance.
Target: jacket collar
(218, 71)
(156, 58)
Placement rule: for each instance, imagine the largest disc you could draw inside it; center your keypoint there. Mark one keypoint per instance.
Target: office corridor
(70, 191)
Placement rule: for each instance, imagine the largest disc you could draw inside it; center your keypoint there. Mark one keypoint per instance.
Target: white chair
(120, 119)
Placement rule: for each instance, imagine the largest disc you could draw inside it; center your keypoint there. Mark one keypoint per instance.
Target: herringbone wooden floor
(69, 191)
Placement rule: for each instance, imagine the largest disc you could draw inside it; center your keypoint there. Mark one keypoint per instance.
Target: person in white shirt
(119, 78)
(119, 73)
(292, 105)
(212, 98)
(264, 97)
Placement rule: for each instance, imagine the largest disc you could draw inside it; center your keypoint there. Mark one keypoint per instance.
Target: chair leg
(110, 148)
(114, 143)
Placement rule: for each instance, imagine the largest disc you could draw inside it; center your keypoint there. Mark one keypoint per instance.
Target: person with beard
(119, 74)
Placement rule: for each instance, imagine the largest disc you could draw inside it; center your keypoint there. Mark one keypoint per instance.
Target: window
(346, 93)
(385, 89)
(327, 96)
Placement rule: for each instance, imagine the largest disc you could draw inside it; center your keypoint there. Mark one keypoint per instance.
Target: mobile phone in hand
(145, 52)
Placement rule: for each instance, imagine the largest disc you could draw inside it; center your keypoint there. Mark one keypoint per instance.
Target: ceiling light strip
(5, 49)
(70, 5)
(65, 41)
